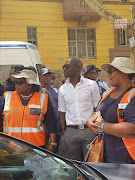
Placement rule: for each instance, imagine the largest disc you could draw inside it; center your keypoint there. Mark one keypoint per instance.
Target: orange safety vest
(129, 143)
(25, 122)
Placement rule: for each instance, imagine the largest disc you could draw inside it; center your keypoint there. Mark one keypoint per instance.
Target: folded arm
(122, 130)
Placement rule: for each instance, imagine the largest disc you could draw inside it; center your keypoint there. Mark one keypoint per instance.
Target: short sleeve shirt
(115, 150)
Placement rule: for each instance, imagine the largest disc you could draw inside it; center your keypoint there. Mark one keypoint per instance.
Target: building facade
(65, 28)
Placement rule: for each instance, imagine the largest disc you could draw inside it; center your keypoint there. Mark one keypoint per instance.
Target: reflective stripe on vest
(22, 129)
(125, 100)
(42, 100)
(7, 101)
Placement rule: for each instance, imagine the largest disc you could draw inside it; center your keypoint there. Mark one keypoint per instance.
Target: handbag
(95, 150)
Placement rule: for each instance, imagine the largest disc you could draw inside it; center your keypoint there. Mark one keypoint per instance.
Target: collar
(81, 80)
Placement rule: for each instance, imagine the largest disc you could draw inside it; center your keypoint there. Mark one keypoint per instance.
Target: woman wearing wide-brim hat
(26, 109)
(117, 109)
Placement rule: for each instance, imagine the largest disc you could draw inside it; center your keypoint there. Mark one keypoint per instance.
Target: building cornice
(58, 1)
(118, 3)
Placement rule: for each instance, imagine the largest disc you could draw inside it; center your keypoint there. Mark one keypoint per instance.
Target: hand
(51, 148)
(62, 132)
(93, 124)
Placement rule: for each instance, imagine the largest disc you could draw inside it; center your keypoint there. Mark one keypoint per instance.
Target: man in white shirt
(77, 99)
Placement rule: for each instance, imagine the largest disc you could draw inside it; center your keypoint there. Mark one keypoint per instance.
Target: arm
(125, 129)
(51, 126)
(122, 130)
(62, 110)
(1, 90)
(52, 144)
(2, 102)
(62, 122)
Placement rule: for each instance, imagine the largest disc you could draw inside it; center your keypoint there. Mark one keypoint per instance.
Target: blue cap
(45, 71)
(90, 67)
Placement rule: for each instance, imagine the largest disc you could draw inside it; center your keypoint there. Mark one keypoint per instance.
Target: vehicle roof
(16, 44)
(13, 42)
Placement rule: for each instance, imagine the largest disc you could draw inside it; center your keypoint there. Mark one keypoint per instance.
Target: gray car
(20, 160)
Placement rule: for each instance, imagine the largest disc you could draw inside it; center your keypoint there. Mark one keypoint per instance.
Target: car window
(21, 161)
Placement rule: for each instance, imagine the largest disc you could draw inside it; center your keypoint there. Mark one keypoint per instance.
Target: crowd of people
(40, 113)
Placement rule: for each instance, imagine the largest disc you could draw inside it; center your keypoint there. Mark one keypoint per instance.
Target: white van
(16, 54)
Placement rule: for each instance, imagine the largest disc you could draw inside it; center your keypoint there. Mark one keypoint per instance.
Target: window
(83, 4)
(81, 43)
(32, 35)
(123, 37)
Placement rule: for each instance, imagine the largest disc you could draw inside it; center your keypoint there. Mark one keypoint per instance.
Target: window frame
(123, 38)
(87, 57)
(31, 40)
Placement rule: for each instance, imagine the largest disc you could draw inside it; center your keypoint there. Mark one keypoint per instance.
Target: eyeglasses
(65, 66)
(110, 71)
(19, 82)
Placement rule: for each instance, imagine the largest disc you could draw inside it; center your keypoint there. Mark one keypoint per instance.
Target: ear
(77, 67)
(123, 75)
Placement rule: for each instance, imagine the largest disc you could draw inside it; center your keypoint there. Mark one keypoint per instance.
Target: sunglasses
(110, 71)
(66, 66)
(19, 82)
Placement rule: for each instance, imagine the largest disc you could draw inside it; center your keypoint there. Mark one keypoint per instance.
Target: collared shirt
(78, 102)
(102, 86)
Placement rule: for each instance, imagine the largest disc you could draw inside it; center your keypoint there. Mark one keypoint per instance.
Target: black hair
(35, 88)
(130, 76)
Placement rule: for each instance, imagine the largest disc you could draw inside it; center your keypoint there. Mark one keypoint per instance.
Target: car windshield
(20, 160)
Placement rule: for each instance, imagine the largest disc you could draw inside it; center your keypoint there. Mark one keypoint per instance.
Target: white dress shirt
(78, 102)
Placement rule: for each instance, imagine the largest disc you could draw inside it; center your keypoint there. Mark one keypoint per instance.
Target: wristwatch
(101, 130)
(53, 144)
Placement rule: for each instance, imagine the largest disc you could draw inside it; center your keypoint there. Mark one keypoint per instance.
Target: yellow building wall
(52, 38)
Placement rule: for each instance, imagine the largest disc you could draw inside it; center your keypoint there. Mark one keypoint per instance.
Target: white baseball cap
(123, 64)
(31, 76)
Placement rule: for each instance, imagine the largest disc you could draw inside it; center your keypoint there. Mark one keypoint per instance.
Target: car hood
(115, 171)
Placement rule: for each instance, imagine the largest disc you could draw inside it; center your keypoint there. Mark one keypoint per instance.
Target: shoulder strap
(105, 94)
(108, 92)
(119, 99)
